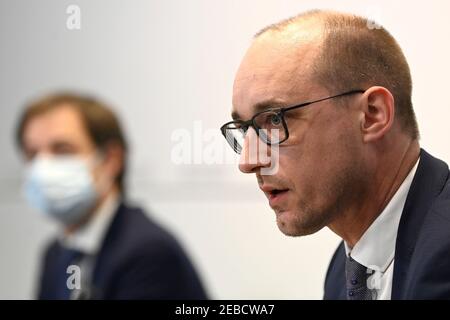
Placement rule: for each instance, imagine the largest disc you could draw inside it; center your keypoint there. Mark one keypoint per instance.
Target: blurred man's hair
(357, 53)
(100, 122)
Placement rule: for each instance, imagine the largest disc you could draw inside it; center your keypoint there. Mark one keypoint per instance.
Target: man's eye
(63, 148)
(275, 120)
(271, 120)
(243, 129)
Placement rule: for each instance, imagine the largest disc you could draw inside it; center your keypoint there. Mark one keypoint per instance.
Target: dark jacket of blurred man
(76, 157)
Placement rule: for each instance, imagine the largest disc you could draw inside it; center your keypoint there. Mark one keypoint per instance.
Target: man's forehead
(271, 70)
(60, 118)
(257, 93)
(62, 122)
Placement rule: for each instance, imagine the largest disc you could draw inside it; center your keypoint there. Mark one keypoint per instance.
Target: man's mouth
(275, 196)
(276, 192)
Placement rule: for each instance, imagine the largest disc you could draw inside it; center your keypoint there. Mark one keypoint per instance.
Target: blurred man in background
(76, 156)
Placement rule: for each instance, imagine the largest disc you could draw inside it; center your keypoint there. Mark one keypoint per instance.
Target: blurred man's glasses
(270, 125)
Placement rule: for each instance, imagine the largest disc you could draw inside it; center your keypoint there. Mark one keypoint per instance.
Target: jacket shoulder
(145, 261)
(430, 263)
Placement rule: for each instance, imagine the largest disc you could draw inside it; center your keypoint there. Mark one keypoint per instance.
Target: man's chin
(290, 225)
(286, 223)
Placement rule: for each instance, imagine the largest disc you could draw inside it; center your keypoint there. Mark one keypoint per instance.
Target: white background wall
(165, 64)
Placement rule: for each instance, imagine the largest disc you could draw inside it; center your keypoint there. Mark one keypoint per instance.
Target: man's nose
(255, 154)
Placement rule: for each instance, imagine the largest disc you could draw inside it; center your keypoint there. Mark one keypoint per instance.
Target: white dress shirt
(376, 248)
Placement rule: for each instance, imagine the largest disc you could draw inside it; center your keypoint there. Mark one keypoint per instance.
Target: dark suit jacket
(422, 251)
(138, 260)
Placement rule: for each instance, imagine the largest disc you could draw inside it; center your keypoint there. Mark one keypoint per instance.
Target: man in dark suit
(76, 158)
(331, 95)
(422, 247)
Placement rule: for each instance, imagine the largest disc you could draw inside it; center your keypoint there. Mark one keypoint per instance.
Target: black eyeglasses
(270, 125)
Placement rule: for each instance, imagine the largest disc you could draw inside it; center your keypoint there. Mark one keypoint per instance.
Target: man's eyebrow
(262, 106)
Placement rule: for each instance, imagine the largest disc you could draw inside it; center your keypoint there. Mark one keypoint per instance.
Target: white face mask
(61, 187)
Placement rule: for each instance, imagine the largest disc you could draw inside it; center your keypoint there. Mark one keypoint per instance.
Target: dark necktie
(356, 281)
(66, 258)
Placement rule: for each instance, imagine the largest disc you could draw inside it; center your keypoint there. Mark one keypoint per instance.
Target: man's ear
(378, 113)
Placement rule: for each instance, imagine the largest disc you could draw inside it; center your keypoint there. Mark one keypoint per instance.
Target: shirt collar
(88, 239)
(376, 248)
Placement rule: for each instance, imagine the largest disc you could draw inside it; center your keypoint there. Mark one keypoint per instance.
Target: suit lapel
(428, 182)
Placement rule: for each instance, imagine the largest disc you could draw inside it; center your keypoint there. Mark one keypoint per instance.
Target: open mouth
(276, 194)
(277, 191)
